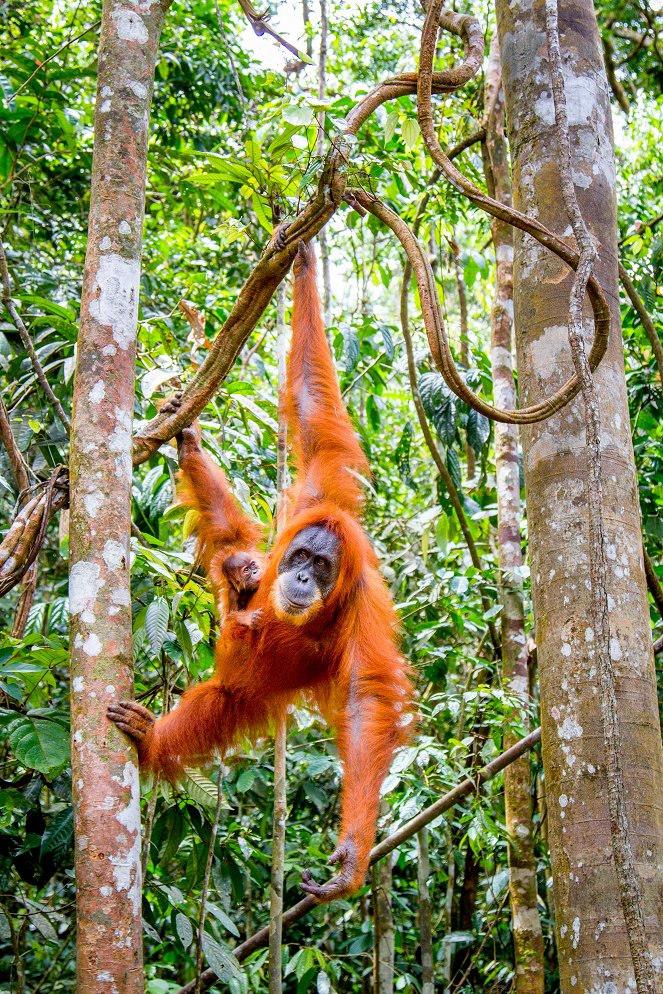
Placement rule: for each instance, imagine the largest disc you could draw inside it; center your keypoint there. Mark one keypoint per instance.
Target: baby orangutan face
(243, 572)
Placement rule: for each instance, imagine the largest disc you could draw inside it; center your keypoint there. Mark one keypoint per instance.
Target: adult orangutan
(324, 625)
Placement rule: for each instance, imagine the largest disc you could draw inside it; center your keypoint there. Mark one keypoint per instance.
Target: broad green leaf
(156, 623)
(261, 207)
(410, 130)
(245, 780)
(300, 115)
(39, 744)
(222, 917)
(200, 788)
(59, 834)
(220, 959)
(391, 125)
(184, 929)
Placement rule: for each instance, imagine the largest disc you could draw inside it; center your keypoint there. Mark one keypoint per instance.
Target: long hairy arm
(330, 461)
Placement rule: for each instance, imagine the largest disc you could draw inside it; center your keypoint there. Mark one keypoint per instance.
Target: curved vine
(276, 260)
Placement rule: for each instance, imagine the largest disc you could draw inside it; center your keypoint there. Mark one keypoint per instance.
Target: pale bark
(525, 920)
(592, 939)
(106, 794)
(204, 890)
(425, 915)
(383, 923)
(278, 861)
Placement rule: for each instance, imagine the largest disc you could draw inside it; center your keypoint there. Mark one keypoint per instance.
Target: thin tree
(106, 794)
(525, 920)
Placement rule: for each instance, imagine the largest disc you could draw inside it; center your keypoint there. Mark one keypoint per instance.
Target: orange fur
(222, 527)
(345, 657)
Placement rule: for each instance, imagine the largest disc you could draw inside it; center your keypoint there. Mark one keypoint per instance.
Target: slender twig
(27, 341)
(653, 583)
(471, 785)
(631, 900)
(49, 58)
(205, 886)
(278, 860)
(645, 318)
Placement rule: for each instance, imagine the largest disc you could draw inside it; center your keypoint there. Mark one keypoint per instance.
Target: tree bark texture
(592, 941)
(383, 940)
(106, 792)
(425, 915)
(525, 920)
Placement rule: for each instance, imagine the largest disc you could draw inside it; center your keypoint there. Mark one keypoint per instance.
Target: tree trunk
(425, 915)
(383, 940)
(106, 791)
(592, 940)
(526, 924)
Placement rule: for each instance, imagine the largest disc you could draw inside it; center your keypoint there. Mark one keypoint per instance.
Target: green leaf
(432, 390)
(445, 417)
(220, 959)
(221, 916)
(43, 925)
(59, 834)
(402, 456)
(323, 984)
(300, 115)
(261, 206)
(39, 744)
(245, 780)
(184, 929)
(478, 430)
(391, 125)
(453, 465)
(492, 612)
(200, 788)
(156, 623)
(410, 130)
(373, 412)
(351, 347)
(388, 341)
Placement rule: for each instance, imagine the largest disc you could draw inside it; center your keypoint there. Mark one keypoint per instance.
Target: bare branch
(645, 318)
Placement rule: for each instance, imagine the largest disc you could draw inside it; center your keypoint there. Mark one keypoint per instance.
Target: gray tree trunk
(592, 941)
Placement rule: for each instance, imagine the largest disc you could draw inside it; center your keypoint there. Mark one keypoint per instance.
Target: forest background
(234, 143)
